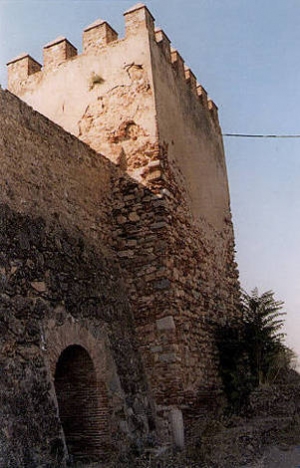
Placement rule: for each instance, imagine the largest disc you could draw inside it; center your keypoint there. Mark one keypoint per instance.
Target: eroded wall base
(52, 298)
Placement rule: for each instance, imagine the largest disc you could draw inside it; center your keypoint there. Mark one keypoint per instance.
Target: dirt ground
(275, 457)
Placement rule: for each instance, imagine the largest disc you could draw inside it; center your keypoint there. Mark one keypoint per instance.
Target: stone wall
(163, 203)
(182, 281)
(60, 287)
(50, 173)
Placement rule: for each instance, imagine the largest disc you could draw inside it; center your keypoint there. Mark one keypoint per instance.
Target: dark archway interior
(76, 391)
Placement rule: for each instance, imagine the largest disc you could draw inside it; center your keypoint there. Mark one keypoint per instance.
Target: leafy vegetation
(262, 318)
(252, 351)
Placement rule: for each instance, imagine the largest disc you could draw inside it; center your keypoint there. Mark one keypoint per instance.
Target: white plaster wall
(72, 96)
(194, 143)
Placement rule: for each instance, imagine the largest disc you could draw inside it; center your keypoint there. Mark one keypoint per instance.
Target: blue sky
(246, 54)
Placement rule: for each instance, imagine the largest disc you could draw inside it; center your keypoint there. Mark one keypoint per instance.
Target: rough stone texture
(158, 210)
(187, 274)
(84, 304)
(58, 290)
(50, 173)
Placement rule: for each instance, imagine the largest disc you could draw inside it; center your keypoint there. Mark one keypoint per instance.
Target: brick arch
(78, 359)
(73, 333)
(79, 398)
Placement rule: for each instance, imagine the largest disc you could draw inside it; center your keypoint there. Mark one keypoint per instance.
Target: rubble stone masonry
(156, 212)
(61, 287)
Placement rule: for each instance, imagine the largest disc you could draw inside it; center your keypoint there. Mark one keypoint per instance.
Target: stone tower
(159, 206)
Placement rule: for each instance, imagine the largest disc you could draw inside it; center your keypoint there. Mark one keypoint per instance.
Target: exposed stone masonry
(59, 290)
(182, 300)
(139, 266)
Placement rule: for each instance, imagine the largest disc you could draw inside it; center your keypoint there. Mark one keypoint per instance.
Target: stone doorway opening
(76, 389)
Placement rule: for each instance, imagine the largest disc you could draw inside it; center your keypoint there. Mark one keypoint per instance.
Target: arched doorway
(77, 394)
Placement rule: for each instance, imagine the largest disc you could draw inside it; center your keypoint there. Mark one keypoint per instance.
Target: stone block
(176, 421)
(168, 358)
(162, 284)
(39, 286)
(166, 323)
(134, 216)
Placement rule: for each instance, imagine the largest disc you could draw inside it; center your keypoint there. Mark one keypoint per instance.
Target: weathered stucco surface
(123, 96)
(155, 210)
(103, 96)
(188, 128)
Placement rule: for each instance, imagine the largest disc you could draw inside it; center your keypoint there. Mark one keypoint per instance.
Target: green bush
(251, 350)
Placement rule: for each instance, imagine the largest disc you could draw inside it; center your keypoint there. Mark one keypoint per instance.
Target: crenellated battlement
(202, 93)
(98, 36)
(138, 17)
(58, 51)
(164, 42)
(20, 68)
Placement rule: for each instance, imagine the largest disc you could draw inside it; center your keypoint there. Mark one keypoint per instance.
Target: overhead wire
(249, 135)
